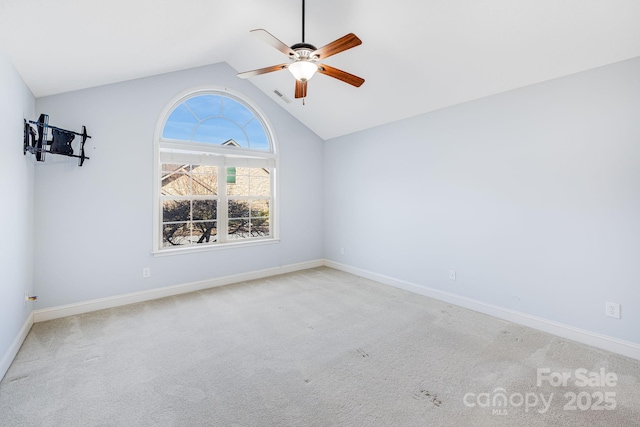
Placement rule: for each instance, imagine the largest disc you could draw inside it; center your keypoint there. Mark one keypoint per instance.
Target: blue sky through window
(216, 119)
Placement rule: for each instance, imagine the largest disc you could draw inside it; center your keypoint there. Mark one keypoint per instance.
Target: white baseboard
(120, 300)
(614, 345)
(8, 357)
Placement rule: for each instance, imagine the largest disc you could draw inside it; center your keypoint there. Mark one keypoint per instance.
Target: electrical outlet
(341, 251)
(146, 272)
(452, 275)
(613, 310)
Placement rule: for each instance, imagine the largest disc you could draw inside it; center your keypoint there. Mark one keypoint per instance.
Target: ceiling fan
(304, 59)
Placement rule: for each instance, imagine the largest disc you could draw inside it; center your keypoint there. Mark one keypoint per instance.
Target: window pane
(240, 187)
(219, 131)
(237, 112)
(249, 182)
(205, 106)
(168, 168)
(259, 208)
(205, 210)
(180, 124)
(257, 136)
(238, 209)
(244, 229)
(176, 185)
(204, 232)
(176, 180)
(260, 186)
(204, 170)
(205, 185)
(238, 229)
(176, 234)
(260, 227)
(176, 210)
(205, 180)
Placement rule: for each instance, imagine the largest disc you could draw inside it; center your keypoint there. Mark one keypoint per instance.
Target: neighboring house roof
(231, 143)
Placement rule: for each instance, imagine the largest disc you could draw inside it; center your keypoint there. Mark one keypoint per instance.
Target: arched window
(215, 173)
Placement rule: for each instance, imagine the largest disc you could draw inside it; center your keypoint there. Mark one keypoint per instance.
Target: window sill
(214, 247)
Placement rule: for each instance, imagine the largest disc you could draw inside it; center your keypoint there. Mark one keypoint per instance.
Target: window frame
(235, 156)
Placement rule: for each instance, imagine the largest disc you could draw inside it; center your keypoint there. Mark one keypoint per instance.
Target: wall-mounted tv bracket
(36, 142)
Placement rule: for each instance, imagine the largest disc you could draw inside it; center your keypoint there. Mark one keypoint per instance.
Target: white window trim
(225, 157)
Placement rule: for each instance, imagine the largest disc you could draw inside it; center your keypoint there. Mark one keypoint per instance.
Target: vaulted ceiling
(417, 55)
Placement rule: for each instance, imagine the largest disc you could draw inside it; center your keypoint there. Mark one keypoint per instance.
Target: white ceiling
(417, 55)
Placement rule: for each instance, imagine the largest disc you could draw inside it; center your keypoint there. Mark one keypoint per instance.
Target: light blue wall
(16, 213)
(532, 196)
(94, 222)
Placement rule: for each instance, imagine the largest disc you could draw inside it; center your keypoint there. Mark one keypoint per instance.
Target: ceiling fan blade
(268, 38)
(340, 75)
(337, 46)
(265, 70)
(301, 89)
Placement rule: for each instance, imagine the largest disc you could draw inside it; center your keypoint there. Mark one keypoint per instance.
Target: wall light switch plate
(452, 275)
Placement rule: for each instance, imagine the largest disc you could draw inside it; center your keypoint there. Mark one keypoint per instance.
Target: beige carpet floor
(313, 348)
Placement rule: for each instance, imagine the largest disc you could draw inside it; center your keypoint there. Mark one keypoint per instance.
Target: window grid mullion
(223, 204)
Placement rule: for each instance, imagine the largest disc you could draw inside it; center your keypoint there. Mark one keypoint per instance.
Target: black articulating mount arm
(36, 142)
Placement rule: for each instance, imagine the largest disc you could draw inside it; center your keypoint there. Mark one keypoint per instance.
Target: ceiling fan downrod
(302, 21)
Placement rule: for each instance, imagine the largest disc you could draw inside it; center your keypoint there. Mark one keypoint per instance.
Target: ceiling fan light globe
(303, 70)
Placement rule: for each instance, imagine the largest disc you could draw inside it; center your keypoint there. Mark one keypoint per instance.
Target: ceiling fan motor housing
(304, 50)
